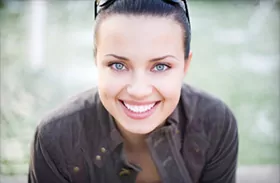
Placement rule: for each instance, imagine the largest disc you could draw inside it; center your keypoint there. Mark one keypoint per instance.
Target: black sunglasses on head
(99, 4)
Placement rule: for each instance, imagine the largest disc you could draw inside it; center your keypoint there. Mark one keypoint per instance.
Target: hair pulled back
(155, 8)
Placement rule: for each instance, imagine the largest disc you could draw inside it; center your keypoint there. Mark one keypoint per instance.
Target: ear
(187, 62)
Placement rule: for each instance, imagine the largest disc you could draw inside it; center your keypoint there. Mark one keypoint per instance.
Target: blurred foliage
(25, 96)
(1, 4)
(26, 93)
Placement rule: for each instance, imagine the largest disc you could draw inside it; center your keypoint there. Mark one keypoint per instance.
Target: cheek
(170, 91)
(170, 85)
(109, 85)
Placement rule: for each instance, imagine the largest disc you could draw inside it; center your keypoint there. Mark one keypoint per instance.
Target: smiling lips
(139, 111)
(139, 108)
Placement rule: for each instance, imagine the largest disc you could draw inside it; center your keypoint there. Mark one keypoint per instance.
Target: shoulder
(70, 115)
(211, 124)
(198, 99)
(198, 103)
(206, 113)
(210, 131)
(61, 138)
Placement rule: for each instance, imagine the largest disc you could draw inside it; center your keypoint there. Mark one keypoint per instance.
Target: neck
(133, 142)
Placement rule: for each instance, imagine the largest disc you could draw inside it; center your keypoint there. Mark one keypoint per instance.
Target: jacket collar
(112, 137)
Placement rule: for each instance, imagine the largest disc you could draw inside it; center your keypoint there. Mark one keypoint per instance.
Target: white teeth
(139, 108)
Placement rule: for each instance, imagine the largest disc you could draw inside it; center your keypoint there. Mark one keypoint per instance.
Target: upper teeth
(139, 108)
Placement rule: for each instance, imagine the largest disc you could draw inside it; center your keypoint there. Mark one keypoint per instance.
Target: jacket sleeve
(222, 163)
(42, 169)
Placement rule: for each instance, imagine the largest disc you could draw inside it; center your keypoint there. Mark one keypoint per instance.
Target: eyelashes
(118, 66)
(161, 67)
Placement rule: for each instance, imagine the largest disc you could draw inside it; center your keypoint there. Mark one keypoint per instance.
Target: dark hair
(158, 8)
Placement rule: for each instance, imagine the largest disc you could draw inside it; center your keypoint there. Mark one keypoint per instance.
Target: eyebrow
(151, 60)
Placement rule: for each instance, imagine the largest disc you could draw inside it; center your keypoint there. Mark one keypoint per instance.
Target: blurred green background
(47, 56)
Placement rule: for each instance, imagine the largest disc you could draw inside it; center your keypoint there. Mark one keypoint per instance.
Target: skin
(135, 68)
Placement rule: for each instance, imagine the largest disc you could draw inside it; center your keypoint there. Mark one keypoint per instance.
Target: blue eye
(161, 67)
(118, 66)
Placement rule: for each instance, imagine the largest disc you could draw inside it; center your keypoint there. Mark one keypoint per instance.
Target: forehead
(119, 33)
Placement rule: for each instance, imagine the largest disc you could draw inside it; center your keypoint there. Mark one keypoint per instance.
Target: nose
(139, 87)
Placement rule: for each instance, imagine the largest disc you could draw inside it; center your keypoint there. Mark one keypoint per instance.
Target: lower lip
(139, 116)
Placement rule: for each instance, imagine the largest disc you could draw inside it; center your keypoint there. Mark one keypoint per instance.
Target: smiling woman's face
(141, 67)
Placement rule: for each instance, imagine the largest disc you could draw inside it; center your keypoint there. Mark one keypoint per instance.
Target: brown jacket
(79, 143)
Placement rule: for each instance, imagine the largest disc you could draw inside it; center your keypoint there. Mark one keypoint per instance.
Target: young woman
(142, 123)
